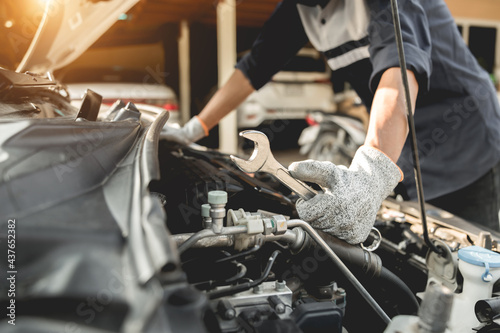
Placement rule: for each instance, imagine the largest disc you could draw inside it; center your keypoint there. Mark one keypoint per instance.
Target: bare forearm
(388, 126)
(227, 98)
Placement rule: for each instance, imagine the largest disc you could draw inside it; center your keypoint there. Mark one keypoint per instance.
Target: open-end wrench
(262, 159)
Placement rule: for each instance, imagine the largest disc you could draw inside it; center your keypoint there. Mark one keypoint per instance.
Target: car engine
(118, 230)
(281, 279)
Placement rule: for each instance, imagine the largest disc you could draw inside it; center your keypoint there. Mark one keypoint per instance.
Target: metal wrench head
(260, 154)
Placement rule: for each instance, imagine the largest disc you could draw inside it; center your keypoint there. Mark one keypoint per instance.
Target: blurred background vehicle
(302, 86)
(128, 85)
(335, 137)
(129, 73)
(280, 107)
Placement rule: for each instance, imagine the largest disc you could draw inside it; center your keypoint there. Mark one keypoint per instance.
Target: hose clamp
(377, 239)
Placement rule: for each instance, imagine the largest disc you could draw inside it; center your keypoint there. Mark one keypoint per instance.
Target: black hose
(487, 310)
(369, 262)
(247, 285)
(241, 254)
(210, 284)
(242, 271)
(341, 266)
(394, 280)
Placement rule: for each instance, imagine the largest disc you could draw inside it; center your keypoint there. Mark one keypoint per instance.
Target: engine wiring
(247, 285)
(342, 267)
(254, 249)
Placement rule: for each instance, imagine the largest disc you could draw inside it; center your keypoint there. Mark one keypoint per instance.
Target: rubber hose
(394, 280)
(247, 285)
(369, 262)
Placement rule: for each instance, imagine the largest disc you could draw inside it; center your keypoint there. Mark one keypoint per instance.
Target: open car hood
(67, 29)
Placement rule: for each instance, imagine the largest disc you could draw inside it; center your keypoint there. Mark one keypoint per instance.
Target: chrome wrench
(262, 159)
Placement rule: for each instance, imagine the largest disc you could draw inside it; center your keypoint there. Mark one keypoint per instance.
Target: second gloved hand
(192, 131)
(348, 207)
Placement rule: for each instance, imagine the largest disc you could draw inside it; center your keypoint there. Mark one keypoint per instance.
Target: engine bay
(266, 279)
(121, 231)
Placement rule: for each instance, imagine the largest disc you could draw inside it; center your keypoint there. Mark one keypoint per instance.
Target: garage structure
(227, 15)
(200, 40)
(149, 18)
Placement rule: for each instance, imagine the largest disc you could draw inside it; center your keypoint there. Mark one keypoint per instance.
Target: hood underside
(67, 29)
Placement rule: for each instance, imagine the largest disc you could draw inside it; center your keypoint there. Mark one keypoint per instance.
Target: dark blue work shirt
(457, 116)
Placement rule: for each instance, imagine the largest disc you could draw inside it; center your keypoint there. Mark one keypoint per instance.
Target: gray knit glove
(191, 132)
(352, 197)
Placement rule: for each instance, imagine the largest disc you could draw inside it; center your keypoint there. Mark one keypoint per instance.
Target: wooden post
(184, 72)
(226, 53)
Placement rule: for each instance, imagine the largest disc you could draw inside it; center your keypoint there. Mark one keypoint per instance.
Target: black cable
(210, 284)
(411, 124)
(241, 254)
(242, 271)
(247, 285)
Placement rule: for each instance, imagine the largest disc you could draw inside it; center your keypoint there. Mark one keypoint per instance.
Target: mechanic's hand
(191, 132)
(352, 197)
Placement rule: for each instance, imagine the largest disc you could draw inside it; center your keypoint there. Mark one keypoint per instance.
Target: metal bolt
(280, 286)
(229, 314)
(226, 310)
(280, 308)
(281, 224)
(276, 303)
(258, 289)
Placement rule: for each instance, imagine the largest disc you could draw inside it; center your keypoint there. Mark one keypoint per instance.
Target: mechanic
(457, 114)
